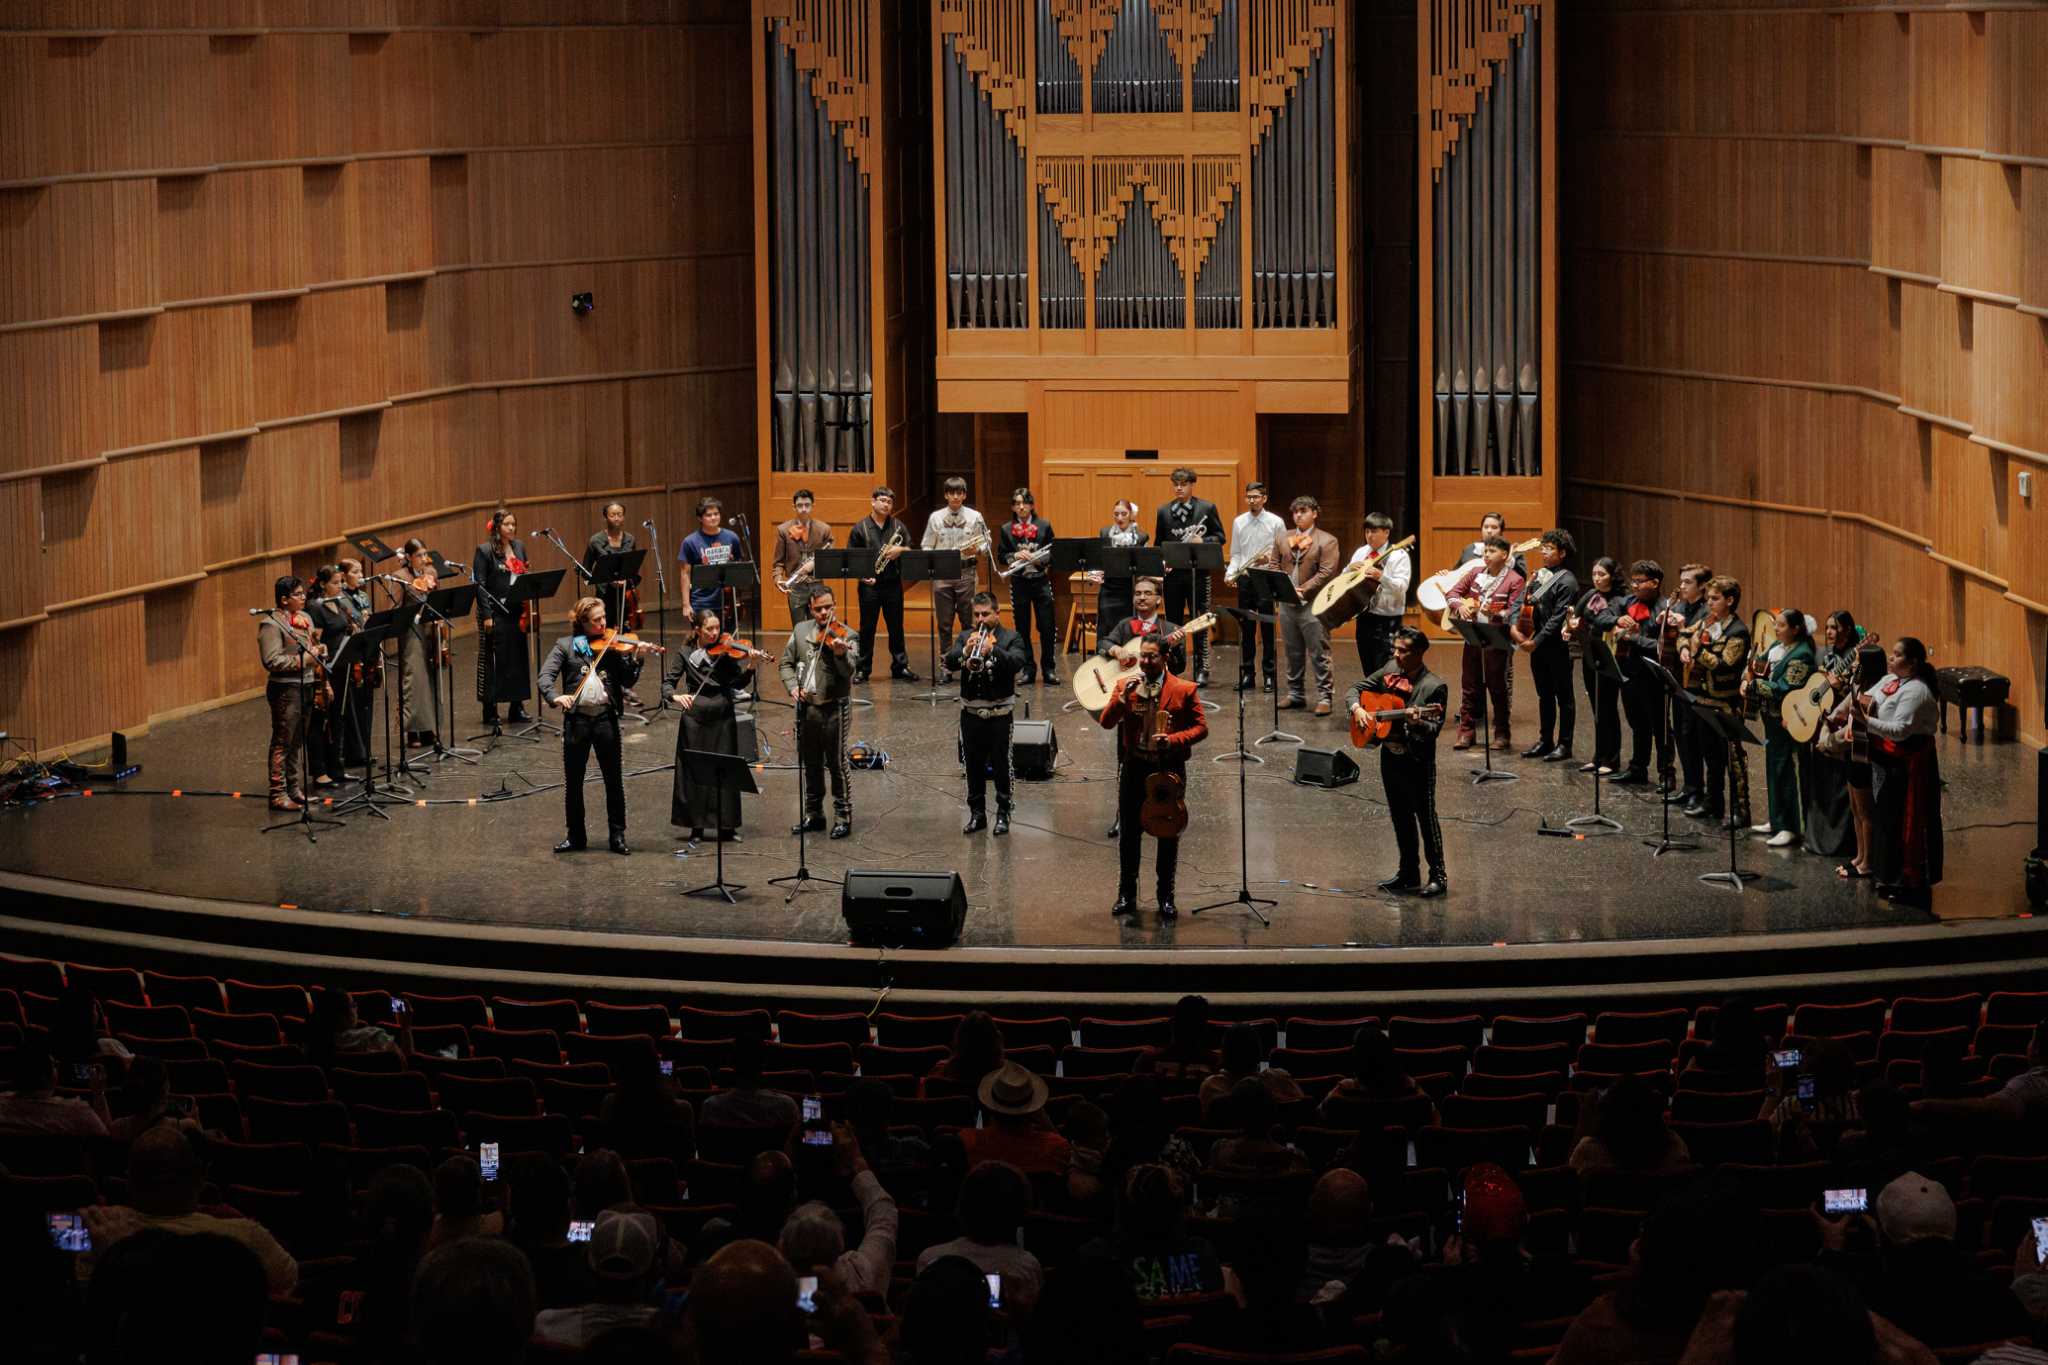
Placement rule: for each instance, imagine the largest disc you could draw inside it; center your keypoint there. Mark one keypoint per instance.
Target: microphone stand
(589, 580)
(305, 820)
(1240, 754)
(1244, 896)
(796, 880)
(661, 615)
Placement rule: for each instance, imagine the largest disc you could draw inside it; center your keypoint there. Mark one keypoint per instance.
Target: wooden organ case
(1142, 234)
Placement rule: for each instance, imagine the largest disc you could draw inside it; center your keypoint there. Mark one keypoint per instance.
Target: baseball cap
(1914, 1207)
(622, 1245)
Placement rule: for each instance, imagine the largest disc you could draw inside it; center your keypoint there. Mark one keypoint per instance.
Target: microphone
(264, 611)
(547, 530)
(648, 524)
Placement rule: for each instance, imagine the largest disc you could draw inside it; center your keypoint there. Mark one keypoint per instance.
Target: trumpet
(1269, 552)
(802, 574)
(1029, 559)
(890, 548)
(981, 645)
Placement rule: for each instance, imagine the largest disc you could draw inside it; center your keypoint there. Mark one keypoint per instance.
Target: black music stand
(1277, 590)
(373, 550)
(1606, 670)
(933, 567)
(393, 622)
(1720, 725)
(1199, 557)
(612, 570)
(1244, 896)
(1482, 636)
(359, 647)
(305, 820)
(1667, 714)
(448, 605)
(736, 574)
(534, 588)
(838, 566)
(718, 771)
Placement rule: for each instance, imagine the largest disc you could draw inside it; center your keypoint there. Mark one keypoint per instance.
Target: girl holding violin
(422, 653)
(585, 677)
(706, 679)
(502, 672)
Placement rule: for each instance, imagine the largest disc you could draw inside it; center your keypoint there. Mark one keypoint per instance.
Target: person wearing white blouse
(1900, 712)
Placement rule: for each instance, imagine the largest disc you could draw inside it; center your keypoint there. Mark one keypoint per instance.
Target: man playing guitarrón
(1158, 719)
(1408, 760)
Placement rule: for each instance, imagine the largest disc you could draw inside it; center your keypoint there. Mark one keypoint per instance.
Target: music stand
(1122, 561)
(365, 642)
(1201, 558)
(1673, 694)
(1278, 589)
(534, 588)
(611, 570)
(934, 567)
(373, 550)
(446, 605)
(838, 566)
(1084, 556)
(723, 769)
(1605, 669)
(388, 621)
(1482, 636)
(1720, 725)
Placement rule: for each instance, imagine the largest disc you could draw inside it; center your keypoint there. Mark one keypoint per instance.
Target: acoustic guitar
(1342, 597)
(1384, 708)
(1097, 678)
(1807, 705)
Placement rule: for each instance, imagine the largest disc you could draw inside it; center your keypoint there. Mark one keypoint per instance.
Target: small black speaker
(1034, 749)
(903, 909)
(1324, 767)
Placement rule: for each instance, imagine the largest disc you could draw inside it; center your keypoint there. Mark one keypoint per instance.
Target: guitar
(1385, 708)
(1805, 706)
(1763, 630)
(1098, 678)
(1341, 599)
(1433, 593)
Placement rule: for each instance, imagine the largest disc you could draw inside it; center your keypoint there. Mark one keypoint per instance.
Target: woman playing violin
(709, 674)
(420, 653)
(586, 676)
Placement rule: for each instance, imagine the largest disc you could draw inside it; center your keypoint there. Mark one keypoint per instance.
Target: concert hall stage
(467, 885)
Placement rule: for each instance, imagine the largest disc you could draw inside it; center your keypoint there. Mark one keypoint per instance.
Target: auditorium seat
(1411, 1033)
(1746, 1140)
(813, 1057)
(32, 974)
(1902, 1044)
(1796, 1185)
(1121, 1033)
(794, 1026)
(149, 1021)
(1486, 1086)
(1511, 1030)
(284, 1001)
(504, 1095)
(252, 1080)
(548, 1134)
(433, 1010)
(272, 1165)
(1316, 1035)
(619, 1053)
(108, 985)
(697, 1022)
(916, 1030)
(434, 1130)
(533, 1045)
(1496, 1060)
(626, 1021)
(1084, 1062)
(295, 1121)
(1838, 1021)
(1055, 1031)
(401, 1090)
(575, 1073)
(1454, 1149)
(1641, 1026)
(1632, 1059)
(1345, 1110)
(556, 1016)
(1924, 1014)
(474, 1068)
(2016, 1007)
(736, 1144)
(246, 1030)
(1712, 1106)
(193, 992)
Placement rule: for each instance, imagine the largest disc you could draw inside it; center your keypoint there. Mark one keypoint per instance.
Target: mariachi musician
(614, 539)
(586, 676)
(1681, 613)
(818, 668)
(1550, 594)
(1187, 518)
(1158, 719)
(1122, 533)
(334, 620)
(1639, 625)
(422, 652)
(988, 657)
(1786, 760)
(1484, 592)
(366, 676)
(1408, 761)
(284, 641)
(503, 674)
(710, 673)
(1715, 660)
(797, 542)
(1592, 617)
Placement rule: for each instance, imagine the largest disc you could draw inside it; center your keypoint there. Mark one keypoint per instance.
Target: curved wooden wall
(303, 269)
(1806, 317)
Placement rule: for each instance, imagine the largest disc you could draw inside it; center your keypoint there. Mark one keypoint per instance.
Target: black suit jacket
(563, 673)
(1173, 516)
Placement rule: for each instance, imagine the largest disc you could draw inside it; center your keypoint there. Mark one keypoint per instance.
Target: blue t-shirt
(698, 548)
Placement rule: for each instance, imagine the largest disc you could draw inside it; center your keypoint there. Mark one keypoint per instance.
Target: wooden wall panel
(688, 426)
(365, 219)
(122, 524)
(1980, 226)
(50, 412)
(183, 374)
(92, 244)
(21, 559)
(557, 438)
(1948, 73)
(622, 201)
(1905, 210)
(277, 488)
(320, 352)
(238, 232)
(181, 672)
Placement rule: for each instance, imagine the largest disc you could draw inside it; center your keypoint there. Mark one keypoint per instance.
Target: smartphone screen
(487, 1159)
(668, 1068)
(1845, 1201)
(275, 1358)
(817, 1137)
(397, 1005)
(1788, 1060)
(67, 1232)
(814, 1109)
(84, 1074)
(995, 1290)
(2041, 1240)
(1805, 1090)
(807, 1293)
(580, 1230)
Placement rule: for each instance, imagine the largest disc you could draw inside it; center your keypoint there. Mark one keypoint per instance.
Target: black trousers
(1031, 599)
(879, 602)
(357, 726)
(1257, 646)
(1685, 737)
(1410, 782)
(1642, 700)
(821, 748)
(1375, 640)
(1556, 709)
(1114, 606)
(1130, 798)
(1719, 758)
(1187, 595)
(582, 733)
(1605, 695)
(985, 744)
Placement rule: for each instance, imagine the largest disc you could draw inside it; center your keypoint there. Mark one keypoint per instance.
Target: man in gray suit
(818, 666)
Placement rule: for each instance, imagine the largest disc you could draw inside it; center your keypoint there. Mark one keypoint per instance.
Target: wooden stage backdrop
(1806, 319)
(287, 271)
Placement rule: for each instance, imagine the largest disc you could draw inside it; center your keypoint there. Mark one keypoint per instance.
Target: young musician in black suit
(881, 597)
(1552, 590)
(1027, 533)
(988, 657)
(588, 683)
(1408, 761)
(1188, 518)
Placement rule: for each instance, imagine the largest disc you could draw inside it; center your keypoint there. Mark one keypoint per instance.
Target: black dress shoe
(1002, 822)
(729, 836)
(1125, 905)
(1560, 754)
(1400, 882)
(1051, 676)
(619, 845)
(1114, 830)
(976, 823)
(813, 825)
(1027, 674)
(519, 717)
(570, 846)
(841, 830)
(1431, 889)
(1167, 909)
(903, 675)
(1537, 750)
(1631, 779)
(1684, 796)
(860, 677)
(1202, 677)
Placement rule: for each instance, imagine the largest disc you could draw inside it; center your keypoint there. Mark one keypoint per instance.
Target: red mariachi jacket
(1187, 726)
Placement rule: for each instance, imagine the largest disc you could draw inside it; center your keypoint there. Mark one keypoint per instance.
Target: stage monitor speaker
(1034, 750)
(1324, 767)
(903, 909)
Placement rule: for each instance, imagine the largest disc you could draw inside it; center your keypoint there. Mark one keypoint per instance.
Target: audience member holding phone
(459, 1205)
(813, 1235)
(33, 1106)
(1818, 1087)
(337, 1030)
(744, 1310)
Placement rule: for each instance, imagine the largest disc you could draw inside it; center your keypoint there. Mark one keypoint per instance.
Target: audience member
(458, 1203)
(78, 1030)
(1153, 1248)
(1250, 1108)
(1375, 1074)
(35, 1107)
(335, 1030)
(1625, 1131)
(977, 1050)
(946, 1317)
(813, 1235)
(1344, 1261)
(1794, 1316)
(643, 1117)
(1919, 1279)
(767, 1194)
(164, 1180)
(1087, 1314)
(601, 1182)
(746, 1104)
(144, 1100)
(1017, 1131)
(536, 1192)
(892, 1156)
(1188, 1052)
(1243, 1050)
(743, 1311)
(38, 1294)
(1087, 1135)
(1832, 1070)
(1689, 1247)
(1141, 1132)
(1738, 1046)
(994, 1198)
(398, 1213)
(621, 1257)
(1492, 1281)
(1266, 1268)
(2025, 1096)
(473, 1304)
(197, 1298)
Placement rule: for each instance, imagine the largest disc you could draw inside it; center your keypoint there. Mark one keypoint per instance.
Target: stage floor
(1048, 884)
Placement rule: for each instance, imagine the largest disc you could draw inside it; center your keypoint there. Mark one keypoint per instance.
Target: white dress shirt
(1264, 529)
(1909, 710)
(1395, 571)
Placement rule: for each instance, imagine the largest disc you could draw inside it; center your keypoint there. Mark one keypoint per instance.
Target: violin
(426, 583)
(623, 641)
(731, 647)
(833, 630)
(635, 618)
